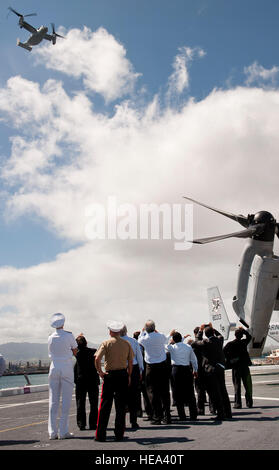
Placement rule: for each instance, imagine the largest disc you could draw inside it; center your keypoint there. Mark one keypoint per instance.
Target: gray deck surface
(23, 426)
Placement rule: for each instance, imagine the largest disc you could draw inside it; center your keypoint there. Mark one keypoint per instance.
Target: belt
(116, 371)
(180, 365)
(156, 364)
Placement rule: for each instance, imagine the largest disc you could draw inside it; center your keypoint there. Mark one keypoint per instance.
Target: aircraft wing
(48, 37)
(28, 26)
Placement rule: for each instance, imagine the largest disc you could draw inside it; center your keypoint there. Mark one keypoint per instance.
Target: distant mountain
(24, 351)
(28, 351)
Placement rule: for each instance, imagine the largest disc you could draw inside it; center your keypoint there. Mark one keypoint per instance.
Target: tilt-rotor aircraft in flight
(37, 35)
(257, 291)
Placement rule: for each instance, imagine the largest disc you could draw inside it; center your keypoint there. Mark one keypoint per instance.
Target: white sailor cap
(115, 326)
(57, 320)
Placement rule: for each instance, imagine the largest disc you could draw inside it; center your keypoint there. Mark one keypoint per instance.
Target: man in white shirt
(136, 377)
(61, 347)
(184, 369)
(157, 378)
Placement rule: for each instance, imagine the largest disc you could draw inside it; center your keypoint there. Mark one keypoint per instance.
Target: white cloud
(222, 150)
(256, 73)
(179, 79)
(96, 57)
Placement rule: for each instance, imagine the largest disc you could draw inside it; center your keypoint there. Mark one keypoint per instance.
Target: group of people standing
(147, 365)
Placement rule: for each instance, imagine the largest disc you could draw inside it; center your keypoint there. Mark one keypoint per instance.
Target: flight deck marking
(24, 426)
(29, 425)
(256, 383)
(258, 398)
(10, 405)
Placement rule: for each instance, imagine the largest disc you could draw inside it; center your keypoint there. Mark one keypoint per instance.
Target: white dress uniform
(61, 377)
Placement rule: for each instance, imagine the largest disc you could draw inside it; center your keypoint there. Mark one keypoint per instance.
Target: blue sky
(234, 34)
(226, 46)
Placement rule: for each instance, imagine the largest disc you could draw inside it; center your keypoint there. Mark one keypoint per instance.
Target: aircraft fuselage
(257, 291)
(37, 37)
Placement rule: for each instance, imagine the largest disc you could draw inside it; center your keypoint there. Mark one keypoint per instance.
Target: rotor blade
(54, 32)
(241, 219)
(11, 9)
(19, 14)
(242, 234)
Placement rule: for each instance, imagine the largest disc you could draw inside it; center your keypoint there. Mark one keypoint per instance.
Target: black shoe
(201, 412)
(148, 418)
(193, 418)
(82, 428)
(100, 439)
(218, 418)
(155, 422)
(119, 438)
(134, 426)
(237, 406)
(182, 418)
(93, 428)
(166, 420)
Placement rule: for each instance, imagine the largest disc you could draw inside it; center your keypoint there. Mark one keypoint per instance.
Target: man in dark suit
(87, 382)
(213, 365)
(199, 380)
(237, 355)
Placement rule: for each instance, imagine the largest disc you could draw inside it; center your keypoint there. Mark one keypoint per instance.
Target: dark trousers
(133, 394)
(157, 386)
(146, 401)
(242, 373)
(115, 388)
(172, 391)
(183, 385)
(217, 391)
(200, 390)
(82, 389)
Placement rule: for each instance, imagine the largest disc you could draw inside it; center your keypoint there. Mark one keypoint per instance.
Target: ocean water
(11, 381)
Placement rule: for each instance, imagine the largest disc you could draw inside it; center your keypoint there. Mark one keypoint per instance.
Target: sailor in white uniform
(61, 347)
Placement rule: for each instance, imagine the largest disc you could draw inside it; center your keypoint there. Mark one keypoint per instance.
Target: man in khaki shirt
(118, 362)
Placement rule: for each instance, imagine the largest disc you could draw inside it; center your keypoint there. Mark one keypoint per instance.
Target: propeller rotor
(260, 225)
(54, 32)
(20, 15)
(241, 219)
(257, 229)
